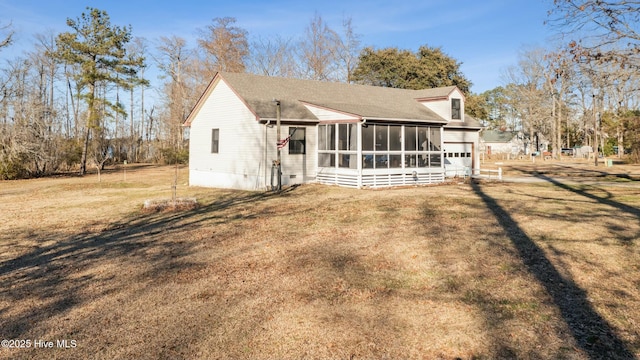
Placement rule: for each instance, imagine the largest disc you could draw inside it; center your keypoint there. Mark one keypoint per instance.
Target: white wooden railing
(488, 174)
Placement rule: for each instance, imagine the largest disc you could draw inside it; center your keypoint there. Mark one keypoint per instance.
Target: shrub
(175, 156)
(12, 168)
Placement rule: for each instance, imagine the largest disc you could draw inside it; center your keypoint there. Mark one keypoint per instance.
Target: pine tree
(98, 48)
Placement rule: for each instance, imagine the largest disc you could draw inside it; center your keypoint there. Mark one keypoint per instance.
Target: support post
(595, 130)
(278, 159)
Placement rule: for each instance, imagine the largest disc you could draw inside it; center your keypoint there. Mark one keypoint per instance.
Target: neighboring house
(495, 142)
(338, 133)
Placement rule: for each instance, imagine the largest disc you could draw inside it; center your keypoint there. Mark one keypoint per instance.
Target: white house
(343, 134)
(502, 142)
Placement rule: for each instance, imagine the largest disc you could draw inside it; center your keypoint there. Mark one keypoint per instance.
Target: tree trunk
(85, 148)
(620, 142)
(139, 152)
(554, 122)
(559, 126)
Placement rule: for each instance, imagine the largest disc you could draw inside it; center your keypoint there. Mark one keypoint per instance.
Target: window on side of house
(215, 140)
(455, 109)
(297, 144)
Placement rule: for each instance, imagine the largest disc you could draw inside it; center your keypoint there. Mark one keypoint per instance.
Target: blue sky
(486, 36)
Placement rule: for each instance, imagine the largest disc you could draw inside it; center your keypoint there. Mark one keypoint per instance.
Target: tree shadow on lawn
(577, 172)
(584, 191)
(51, 280)
(592, 333)
(594, 193)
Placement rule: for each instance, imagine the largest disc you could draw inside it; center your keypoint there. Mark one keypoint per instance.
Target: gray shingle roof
(364, 101)
(434, 93)
(468, 123)
(370, 102)
(496, 136)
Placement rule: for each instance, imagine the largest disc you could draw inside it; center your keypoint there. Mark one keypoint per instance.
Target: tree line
(583, 91)
(77, 100)
(80, 99)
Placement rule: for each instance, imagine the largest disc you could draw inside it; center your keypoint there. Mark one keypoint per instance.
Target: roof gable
(441, 93)
(324, 113)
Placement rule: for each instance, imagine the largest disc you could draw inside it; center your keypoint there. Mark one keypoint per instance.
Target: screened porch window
(384, 146)
(422, 146)
(326, 146)
(348, 146)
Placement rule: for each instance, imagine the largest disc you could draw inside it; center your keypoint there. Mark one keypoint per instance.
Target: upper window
(215, 140)
(455, 109)
(297, 140)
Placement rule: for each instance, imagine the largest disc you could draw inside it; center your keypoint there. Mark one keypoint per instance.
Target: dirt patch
(178, 204)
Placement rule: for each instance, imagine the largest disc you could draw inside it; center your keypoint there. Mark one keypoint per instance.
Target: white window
(297, 140)
(215, 140)
(455, 109)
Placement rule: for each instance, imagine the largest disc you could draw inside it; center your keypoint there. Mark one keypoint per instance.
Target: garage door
(457, 157)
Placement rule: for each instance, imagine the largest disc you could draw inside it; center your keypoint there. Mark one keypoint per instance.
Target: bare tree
(29, 142)
(273, 57)
(6, 35)
(530, 100)
(172, 61)
(606, 30)
(225, 45)
(557, 73)
(321, 54)
(348, 50)
(138, 48)
(319, 51)
(614, 92)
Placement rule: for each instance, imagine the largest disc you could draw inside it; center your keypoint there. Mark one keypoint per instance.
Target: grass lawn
(467, 270)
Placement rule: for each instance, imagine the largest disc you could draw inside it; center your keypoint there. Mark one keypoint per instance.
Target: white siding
(301, 168)
(459, 136)
(247, 148)
(239, 162)
(500, 148)
(443, 107)
(296, 168)
(327, 115)
(458, 140)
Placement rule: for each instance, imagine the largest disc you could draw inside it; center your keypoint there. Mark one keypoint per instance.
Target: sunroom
(375, 154)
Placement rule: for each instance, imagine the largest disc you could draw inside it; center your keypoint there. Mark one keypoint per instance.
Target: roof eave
(462, 126)
(436, 121)
(288, 121)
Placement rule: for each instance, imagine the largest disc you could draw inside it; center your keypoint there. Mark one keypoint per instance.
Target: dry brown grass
(467, 270)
